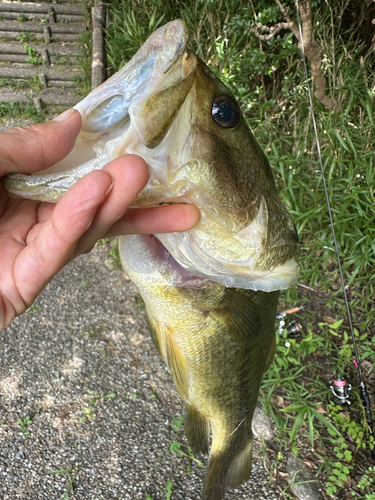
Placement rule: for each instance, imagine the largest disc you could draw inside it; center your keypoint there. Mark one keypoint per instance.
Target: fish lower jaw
(145, 257)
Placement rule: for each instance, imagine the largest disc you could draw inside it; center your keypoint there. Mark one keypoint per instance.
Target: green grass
(71, 476)
(21, 111)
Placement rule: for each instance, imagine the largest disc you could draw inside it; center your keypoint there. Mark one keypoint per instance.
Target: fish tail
(197, 430)
(230, 465)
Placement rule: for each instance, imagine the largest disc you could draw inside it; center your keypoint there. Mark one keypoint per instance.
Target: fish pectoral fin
(197, 430)
(240, 316)
(154, 333)
(176, 364)
(163, 338)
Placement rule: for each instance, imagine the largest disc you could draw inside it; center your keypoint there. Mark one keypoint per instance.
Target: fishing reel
(341, 388)
(292, 328)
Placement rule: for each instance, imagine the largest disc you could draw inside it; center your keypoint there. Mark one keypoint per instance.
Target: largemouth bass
(211, 292)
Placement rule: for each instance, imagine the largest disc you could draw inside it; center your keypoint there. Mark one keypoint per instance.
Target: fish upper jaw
(107, 105)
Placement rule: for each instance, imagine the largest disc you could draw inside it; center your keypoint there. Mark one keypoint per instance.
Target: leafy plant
(357, 432)
(24, 424)
(367, 483)
(177, 423)
(33, 56)
(185, 451)
(168, 490)
(20, 110)
(27, 37)
(340, 469)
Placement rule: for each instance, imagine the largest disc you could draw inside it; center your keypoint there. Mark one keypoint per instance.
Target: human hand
(38, 239)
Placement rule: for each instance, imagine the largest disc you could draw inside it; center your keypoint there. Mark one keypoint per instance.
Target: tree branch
(311, 47)
(272, 31)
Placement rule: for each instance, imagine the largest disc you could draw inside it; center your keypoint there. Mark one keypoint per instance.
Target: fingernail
(64, 116)
(110, 188)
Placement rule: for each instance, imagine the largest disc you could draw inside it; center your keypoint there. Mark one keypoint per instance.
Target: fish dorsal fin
(240, 316)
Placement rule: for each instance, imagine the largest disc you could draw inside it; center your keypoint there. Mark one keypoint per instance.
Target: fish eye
(225, 112)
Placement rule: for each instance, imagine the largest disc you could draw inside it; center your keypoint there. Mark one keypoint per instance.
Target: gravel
(81, 366)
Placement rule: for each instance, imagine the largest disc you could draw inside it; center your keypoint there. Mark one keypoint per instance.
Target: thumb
(28, 149)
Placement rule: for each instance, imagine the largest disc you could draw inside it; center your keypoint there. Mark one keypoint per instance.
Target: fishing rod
(340, 381)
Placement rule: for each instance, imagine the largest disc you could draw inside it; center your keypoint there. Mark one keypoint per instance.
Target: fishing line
(363, 392)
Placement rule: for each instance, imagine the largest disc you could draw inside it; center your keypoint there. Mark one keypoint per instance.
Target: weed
(19, 110)
(139, 301)
(71, 473)
(84, 61)
(24, 424)
(27, 37)
(185, 451)
(33, 56)
(88, 412)
(114, 254)
(168, 490)
(340, 468)
(367, 483)
(24, 84)
(33, 308)
(359, 434)
(177, 423)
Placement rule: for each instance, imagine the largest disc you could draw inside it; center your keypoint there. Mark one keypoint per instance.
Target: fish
(210, 293)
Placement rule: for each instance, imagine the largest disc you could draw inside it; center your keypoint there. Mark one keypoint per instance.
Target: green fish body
(217, 343)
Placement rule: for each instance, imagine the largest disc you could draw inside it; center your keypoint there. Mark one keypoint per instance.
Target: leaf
(336, 324)
(297, 424)
(111, 395)
(331, 429)
(168, 489)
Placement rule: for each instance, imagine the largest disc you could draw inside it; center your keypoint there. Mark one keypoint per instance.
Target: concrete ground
(87, 406)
